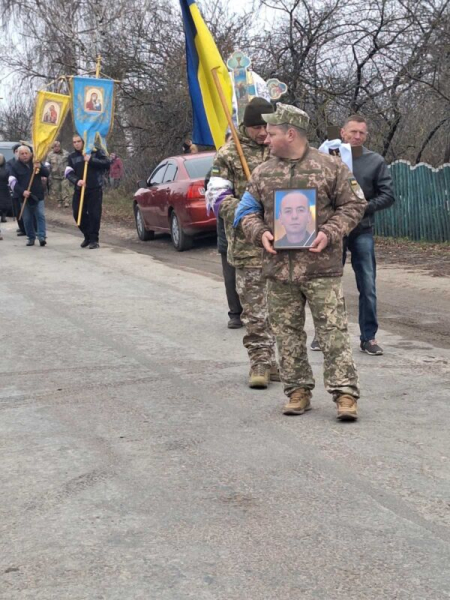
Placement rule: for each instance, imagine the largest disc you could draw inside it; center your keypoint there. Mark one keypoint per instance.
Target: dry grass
(118, 206)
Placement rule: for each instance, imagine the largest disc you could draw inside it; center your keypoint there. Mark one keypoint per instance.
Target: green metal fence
(422, 203)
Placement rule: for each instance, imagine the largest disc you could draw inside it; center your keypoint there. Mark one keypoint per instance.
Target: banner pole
(28, 190)
(83, 189)
(80, 209)
(230, 123)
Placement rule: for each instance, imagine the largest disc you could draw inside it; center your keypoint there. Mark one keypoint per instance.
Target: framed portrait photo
(295, 222)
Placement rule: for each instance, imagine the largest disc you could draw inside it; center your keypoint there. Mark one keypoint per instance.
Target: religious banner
(247, 85)
(93, 110)
(49, 114)
(50, 110)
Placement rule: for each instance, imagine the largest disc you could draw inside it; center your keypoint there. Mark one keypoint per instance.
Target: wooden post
(230, 123)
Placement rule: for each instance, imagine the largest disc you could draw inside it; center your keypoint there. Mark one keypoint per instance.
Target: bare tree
(388, 59)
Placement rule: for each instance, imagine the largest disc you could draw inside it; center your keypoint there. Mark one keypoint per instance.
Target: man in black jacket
(373, 176)
(92, 206)
(21, 174)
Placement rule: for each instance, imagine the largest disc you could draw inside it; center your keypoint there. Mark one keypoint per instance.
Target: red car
(172, 200)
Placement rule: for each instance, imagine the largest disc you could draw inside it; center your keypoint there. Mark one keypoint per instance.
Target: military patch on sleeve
(215, 171)
(356, 188)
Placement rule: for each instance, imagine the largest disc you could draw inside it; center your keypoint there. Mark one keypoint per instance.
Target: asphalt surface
(411, 303)
(137, 464)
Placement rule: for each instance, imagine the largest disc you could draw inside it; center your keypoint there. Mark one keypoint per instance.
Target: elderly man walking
(21, 174)
(313, 274)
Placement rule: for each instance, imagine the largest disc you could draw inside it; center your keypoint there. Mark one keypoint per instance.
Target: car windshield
(198, 168)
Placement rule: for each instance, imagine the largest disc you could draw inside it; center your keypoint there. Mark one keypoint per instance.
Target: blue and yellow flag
(93, 110)
(210, 122)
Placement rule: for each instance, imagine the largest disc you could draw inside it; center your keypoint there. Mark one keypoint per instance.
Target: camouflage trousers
(259, 339)
(60, 191)
(287, 317)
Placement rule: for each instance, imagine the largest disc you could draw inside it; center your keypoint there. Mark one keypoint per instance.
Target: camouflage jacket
(227, 164)
(58, 163)
(340, 205)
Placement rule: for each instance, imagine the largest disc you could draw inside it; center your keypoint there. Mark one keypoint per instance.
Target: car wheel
(180, 240)
(144, 234)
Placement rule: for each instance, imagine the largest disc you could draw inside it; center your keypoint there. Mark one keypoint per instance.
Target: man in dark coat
(372, 174)
(21, 175)
(92, 206)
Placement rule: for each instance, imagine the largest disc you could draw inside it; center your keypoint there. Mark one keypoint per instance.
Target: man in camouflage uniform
(314, 274)
(225, 188)
(59, 186)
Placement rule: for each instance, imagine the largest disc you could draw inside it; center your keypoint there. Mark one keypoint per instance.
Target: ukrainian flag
(210, 123)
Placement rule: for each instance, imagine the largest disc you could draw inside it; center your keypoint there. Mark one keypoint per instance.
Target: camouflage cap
(287, 115)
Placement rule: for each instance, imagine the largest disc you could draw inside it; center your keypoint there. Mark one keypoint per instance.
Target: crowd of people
(324, 209)
(24, 184)
(268, 284)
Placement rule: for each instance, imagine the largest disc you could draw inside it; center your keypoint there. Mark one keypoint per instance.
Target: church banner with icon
(93, 110)
(49, 114)
(247, 85)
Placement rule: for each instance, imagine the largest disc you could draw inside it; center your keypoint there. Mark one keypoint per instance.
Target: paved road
(136, 464)
(410, 303)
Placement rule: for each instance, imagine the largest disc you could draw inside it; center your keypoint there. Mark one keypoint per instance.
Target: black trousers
(16, 212)
(229, 277)
(92, 212)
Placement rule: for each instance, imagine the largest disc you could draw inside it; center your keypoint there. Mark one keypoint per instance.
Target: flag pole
(230, 122)
(28, 190)
(83, 189)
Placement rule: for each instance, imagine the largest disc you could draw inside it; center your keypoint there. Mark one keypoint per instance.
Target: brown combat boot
(274, 372)
(346, 408)
(299, 402)
(259, 376)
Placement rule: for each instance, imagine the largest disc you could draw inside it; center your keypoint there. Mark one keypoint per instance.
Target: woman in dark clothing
(5, 194)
